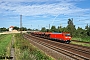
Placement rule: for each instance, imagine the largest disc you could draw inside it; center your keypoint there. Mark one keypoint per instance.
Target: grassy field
(4, 42)
(26, 51)
(84, 39)
(79, 43)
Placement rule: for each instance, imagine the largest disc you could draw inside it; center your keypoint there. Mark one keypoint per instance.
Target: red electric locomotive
(64, 37)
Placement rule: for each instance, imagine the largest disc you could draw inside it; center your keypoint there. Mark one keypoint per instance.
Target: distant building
(11, 28)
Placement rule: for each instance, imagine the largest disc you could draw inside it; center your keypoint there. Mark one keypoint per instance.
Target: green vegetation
(84, 39)
(4, 42)
(2, 36)
(17, 28)
(79, 43)
(76, 33)
(25, 51)
(3, 29)
(82, 34)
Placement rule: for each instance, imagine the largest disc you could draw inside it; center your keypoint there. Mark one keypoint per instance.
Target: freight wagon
(63, 37)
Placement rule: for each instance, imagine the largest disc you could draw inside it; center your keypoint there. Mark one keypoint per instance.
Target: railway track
(75, 52)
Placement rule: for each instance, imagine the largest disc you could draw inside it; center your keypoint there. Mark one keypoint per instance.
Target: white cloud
(48, 9)
(43, 9)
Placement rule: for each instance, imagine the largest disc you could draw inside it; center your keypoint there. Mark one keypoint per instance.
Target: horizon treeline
(69, 28)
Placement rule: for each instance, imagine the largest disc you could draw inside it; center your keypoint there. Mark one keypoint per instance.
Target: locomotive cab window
(67, 34)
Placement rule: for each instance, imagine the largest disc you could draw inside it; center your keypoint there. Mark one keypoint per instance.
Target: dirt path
(12, 49)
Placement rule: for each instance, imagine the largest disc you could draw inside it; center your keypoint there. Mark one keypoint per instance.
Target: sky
(40, 13)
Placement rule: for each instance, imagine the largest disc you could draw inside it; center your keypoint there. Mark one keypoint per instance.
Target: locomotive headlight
(69, 37)
(66, 37)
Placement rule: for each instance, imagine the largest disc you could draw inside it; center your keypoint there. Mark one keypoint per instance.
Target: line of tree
(70, 28)
(24, 29)
(17, 28)
(3, 29)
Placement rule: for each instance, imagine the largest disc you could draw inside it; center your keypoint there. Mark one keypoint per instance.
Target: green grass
(79, 43)
(26, 51)
(4, 41)
(84, 39)
(2, 36)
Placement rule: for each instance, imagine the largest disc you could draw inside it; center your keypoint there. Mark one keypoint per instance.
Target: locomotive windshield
(67, 34)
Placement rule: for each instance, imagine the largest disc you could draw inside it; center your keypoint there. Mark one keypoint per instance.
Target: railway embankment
(86, 44)
(15, 47)
(24, 50)
(69, 50)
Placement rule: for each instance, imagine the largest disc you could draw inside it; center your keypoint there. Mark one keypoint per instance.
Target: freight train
(63, 37)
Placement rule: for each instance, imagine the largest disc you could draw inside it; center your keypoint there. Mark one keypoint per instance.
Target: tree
(71, 27)
(16, 28)
(79, 32)
(88, 31)
(24, 29)
(43, 29)
(53, 29)
(3, 29)
(60, 29)
(64, 29)
(86, 27)
(29, 29)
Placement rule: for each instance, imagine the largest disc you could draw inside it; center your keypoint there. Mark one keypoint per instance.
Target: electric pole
(49, 28)
(21, 23)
